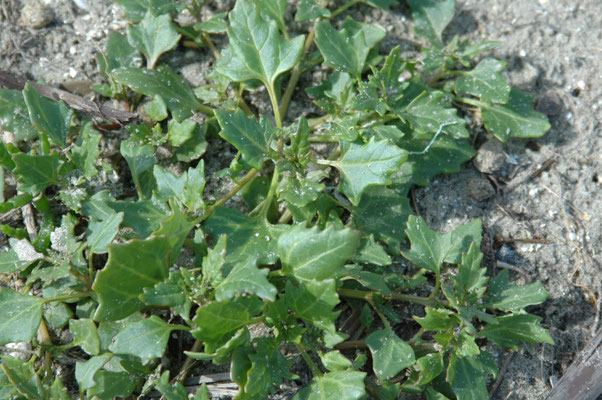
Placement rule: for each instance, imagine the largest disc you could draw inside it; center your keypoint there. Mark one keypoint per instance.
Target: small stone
(490, 157)
(480, 189)
(35, 16)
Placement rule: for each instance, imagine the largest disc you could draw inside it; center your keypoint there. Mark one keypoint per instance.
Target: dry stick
(77, 102)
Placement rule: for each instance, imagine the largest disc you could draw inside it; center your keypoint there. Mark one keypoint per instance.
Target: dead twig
(77, 102)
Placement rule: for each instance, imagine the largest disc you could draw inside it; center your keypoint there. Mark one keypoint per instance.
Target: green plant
(324, 231)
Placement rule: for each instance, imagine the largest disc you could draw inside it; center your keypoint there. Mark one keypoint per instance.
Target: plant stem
(246, 179)
(367, 296)
(207, 41)
(314, 122)
(343, 8)
(69, 297)
(91, 267)
(187, 363)
(275, 107)
(469, 101)
(351, 345)
(312, 366)
(296, 74)
(285, 217)
(323, 139)
(271, 191)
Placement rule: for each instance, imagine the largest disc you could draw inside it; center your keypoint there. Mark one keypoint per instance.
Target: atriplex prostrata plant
(323, 234)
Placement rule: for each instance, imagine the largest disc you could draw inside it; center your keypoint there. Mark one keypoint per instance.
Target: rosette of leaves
(128, 272)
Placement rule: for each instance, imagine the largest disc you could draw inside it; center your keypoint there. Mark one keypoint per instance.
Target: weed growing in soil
(102, 281)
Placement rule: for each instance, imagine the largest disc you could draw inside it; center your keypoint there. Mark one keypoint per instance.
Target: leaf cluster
(323, 235)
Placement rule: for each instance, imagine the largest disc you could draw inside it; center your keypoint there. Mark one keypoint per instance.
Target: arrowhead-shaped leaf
(163, 82)
(139, 157)
(485, 82)
(246, 278)
(217, 319)
(343, 385)
(368, 164)
(111, 385)
(268, 368)
(101, 233)
(445, 155)
(383, 212)
(431, 18)
(341, 50)
(249, 238)
(258, 51)
(171, 293)
(314, 302)
(511, 330)
(86, 152)
(313, 254)
(35, 173)
(143, 216)
(471, 277)
(468, 375)
(24, 377)
(427, 114)
(308, 10)
(274, 9)
(50, 117)
(145, 339)
(131, 267)
(431, 249)
(390, 354)
(437, 319)
(85, 335)
(153, 36)
(251, 138)
(20, 316)
(14, 116)
(506, 296)
(85, 371)
(517, 118)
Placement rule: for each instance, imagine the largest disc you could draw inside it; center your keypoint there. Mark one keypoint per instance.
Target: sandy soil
(542, 224)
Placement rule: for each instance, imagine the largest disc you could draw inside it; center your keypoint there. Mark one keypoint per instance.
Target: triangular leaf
(250, 137)
(20, 316)
(246, 278)
(85, 335)
(164, 82)
(343, 385)
(313, 254)
(485, 82)
(249, 238)
(468, 375)
(50, 117)
(342, 51)
(101, 233)
(217, 319)
(511, 330)
(368, 164)
(153, 36)
(131, 267)
(85, 371)
(14, 116)
(390, 354)
(506, 296)
(258, 51)
(35, 173)
(431, 249)
(145, 339)
(517, 118)
(431, 17)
